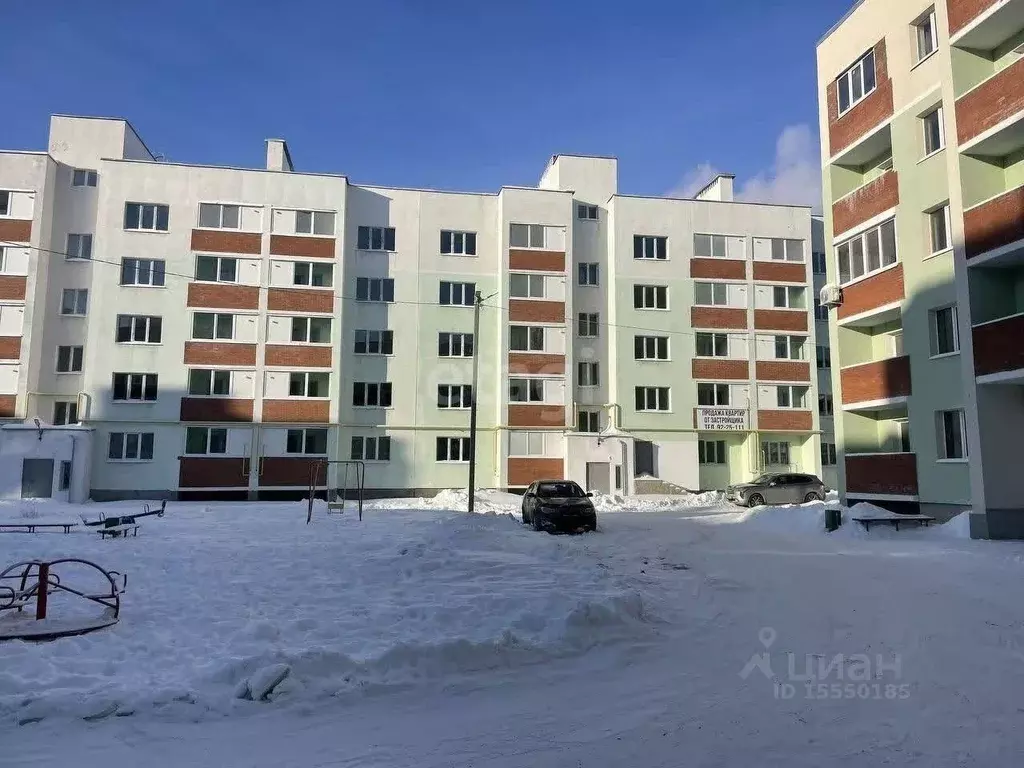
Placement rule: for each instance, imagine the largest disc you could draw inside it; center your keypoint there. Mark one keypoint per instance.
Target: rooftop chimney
(278, 157)
(719, 188)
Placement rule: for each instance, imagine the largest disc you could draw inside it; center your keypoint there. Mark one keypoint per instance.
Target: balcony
(785, 420)
(223, 296)
(225, 241)
(881, 474)
(293, 471)
(780, 319)
(523, 471)
(536, 310)
(536, 363)
(219, 353)
(302, 245)
(8, 406)
(297, 411)
(536, 415)
(983, 24)
(532, 259)
(875, 299)
(999, 350)
(209, 472)
(783, 370)
(866, 202)
(861, 122)
(300, 300)
(215, 409)
(995, 228)
(876, 386)
(990, 116)
(16, 230)
(720, 368)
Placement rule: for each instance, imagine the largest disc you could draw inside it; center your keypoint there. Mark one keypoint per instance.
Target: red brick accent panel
(221, 296)
(783, 370)
(993, 101)
(7, 403)
(12, 287)
(221, 241)
(866, 114)
(728, 269)
(780, 272)
(215, 409)
(780, 319)
(531, 362)
(875, 291)
(15, 230)
(536, 415)
(717, 317)
(547, 261)
(998, 222)
(298, 355)
(297, 411)
(310, 247)
(291, 470)
(10, 347)
(785, 421)
(708, 368)
(207, 472)
(299, 300)
(865, 202)
(894, 473)
(523, 471)
(219, 353)
(527, 310)
(879, 380)
(999, 346)
(963, 12)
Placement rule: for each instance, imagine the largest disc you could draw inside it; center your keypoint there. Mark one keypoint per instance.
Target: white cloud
(794, 178)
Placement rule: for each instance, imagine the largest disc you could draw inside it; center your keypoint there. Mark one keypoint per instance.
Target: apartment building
(211, 332)
(922, 126)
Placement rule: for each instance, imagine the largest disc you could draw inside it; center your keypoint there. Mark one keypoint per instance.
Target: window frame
(307, 322)
(863, 238)
(194, 378)
(859, 70)
(449, 441)
(593, 419)
(659, 400)
(530, 338)
(306, 385)
(823, 356)
(925, 21)
(934, 344)
(531, 282)
(943, 213)
(588, 274)
(658, 292)
(643, 344)
(79, 302)
(530, 387)
(587, 212)
(147, 382)
(447, 289)
(378, 441)
(819, 263)
(531, 231)
(698, 284)
(141, 216)
(658, 250)
(133, 326)
(829, 458)
(448, 337)
(461, 237)
(826, 405)
(207, 441)
(314, 217)
(306, 436)
(151, 271)
(939, 114)
(588, 325)
(942, 438)
(222, 265)
(383, 392)
(715, 337)
(83, 241)
(795, 347)
(217, 329)
(717, 388)
(385, 285)
(65, 412)
(220, 217)
(592, 378)
(791, 390)
(140, 444)
(719, 449)
(381, 338)
(75, 354)
(89, 175)
(446, 397)
(369, 236)
(309, 267)
(780, 447)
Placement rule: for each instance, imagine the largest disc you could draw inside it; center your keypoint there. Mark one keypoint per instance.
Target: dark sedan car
(558, 505)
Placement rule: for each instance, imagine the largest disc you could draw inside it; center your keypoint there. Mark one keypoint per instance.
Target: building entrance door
(36, 478)
(598, 478)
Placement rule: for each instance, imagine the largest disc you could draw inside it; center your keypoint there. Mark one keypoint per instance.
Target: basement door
(36, 478)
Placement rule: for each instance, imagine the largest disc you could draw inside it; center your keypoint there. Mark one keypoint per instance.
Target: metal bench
(31, 527)
(867, 522)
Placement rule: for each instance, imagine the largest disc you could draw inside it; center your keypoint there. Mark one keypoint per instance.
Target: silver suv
(777, 488)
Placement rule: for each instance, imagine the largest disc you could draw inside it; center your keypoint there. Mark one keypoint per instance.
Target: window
(925, 33)
(456, 294)
(74, 301)
(952, 435)
(824, 355)
(5, 203)
(709, 246)
(69, 359)
(652, 398)
(522, 286)
(828, 454)
(216, 269)
(146, 216)
(209, 325)
(371, 394)
(820, 311)
(650, 297)
(825, 405)
(454, 395)
(650, 247)
(650, 347)
(789, 396)
(375, 342)
(209, 383)
(818, 263)
(308, 384)
(371, 448)
(65, 412)
(938, 229)
(454, 344)
(311, 441)
(83, 178)
(458, 243)
(712, 394)
(526, 444)
(218, 216)
(897, 343)
(789, 347)
(317, 223)
(65, 476)
(588, 325)
(945, 335)
(588, 374)
(143, 272)
(375, 289)
(311, 330)
(526, 236)
(586, 212)
(787, 250)
(138, 329)
(526, 390)
(712, 344)
(130, 446)
(868, 252)
(201, 441)
(135, 387)
(589, 273)
(789, 297)
(588, 421)
(375, 239)
(523, 338)
(711, 451)
(774, 453)
(856, 82)
(934, 133)
(313, 274)
(711, 294)
(452, 449)
(79, 247)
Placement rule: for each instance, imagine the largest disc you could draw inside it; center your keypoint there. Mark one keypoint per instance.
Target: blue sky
(454, 94)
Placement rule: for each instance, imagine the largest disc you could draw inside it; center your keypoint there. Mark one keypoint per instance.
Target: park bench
(31, 527)
(867, 522)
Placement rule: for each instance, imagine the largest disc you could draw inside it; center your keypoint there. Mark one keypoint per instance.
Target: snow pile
(655, 501)
(456, 500)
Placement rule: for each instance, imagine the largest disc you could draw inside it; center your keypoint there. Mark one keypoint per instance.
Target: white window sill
(922, 60)
(527, 298)
(669, 411)
(293, 342)
(148, 231)
(944, 354)
(138, 343)
(649, 258)
(652, 359)
(129, 461)
(359, 407)
(133, 402)
(930, 155)
(587, 285)
(580, 336)
(142, 285)
(229, 229)
(303, 234)
(210, 341)
(451, 461)
(217, 282)
(952, 461)
(302, 286)
(373, 461)
(652, 309)
(77, 259)
(68, 373)
(371, 354)
(453, 407)
(439, 357)
(72, 315)
(943, 252)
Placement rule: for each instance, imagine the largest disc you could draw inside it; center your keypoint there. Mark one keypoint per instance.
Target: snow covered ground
(426, 636)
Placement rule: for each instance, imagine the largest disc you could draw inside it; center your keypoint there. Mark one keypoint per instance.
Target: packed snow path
(430, 638)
